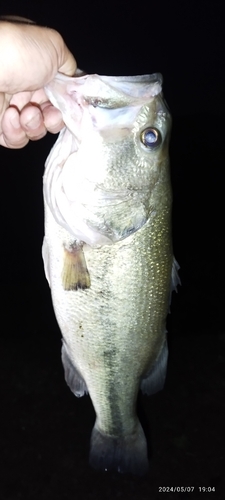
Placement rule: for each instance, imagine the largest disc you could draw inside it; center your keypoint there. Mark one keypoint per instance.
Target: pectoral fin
(75, 274)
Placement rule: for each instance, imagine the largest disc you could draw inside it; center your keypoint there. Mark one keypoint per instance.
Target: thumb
(67, 63)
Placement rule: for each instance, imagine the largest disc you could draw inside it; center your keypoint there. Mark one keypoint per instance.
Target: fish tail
(125, 454)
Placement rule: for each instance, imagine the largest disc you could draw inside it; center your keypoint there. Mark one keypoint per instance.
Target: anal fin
(75, 274)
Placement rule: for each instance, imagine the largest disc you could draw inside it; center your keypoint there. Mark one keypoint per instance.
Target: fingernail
(35, 122)
(15, 120)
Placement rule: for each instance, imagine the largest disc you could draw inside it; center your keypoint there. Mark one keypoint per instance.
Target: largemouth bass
(108, 251)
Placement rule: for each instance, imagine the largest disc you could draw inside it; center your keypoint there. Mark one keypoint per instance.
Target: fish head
(109, 158)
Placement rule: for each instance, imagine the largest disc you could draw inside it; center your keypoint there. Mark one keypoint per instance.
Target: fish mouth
(129, 78)
(118, 90)
(130, 86)
(154, 77)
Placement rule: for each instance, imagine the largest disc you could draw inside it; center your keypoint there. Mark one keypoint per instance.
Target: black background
(45, 431)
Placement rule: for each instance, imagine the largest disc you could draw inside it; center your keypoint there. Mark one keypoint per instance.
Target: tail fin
(125, 454)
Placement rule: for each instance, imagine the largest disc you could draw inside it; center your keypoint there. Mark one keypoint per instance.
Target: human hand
(30, 56)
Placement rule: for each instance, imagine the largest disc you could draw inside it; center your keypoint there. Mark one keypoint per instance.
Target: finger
(36, 121)
(19, 128)
(31, 121)
(21, 99)
(52, 118)
(13, 136)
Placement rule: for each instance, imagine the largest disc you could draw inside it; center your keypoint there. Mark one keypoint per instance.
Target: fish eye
(151, 137)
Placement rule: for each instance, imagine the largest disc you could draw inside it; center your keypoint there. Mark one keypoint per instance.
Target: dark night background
(44, 429)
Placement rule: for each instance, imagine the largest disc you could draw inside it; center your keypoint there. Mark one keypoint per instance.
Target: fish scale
(112, 315)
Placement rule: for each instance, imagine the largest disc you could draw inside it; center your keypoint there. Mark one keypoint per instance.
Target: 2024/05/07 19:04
(184, 489)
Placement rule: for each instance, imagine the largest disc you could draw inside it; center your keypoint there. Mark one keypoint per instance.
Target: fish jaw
(87, 177)
(71, 94)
